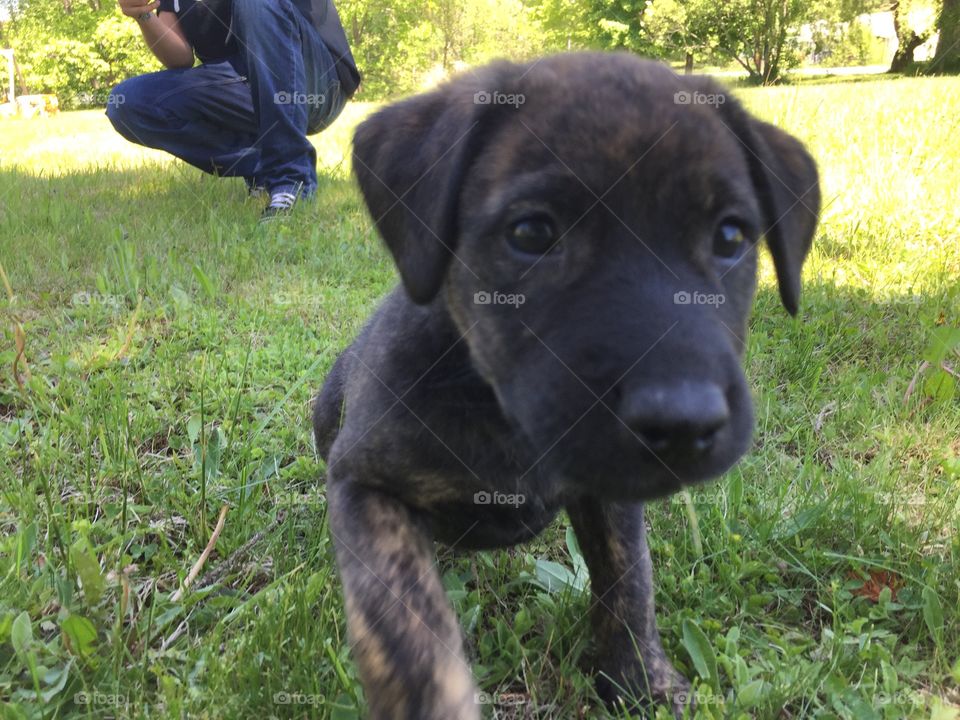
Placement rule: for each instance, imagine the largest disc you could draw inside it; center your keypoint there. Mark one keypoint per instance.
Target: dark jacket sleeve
(325, 18)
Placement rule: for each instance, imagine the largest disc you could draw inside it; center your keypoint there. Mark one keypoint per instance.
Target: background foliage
(79, 49)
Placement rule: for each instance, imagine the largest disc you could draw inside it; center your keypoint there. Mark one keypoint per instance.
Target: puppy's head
(591, 223)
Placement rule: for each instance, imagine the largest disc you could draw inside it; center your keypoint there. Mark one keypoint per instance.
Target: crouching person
(271, 73)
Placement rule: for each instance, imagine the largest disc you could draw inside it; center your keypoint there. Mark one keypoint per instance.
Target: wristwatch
(145, 17)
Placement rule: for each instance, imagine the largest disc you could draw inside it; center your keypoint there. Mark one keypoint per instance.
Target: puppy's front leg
(404, 633)
(613, 540)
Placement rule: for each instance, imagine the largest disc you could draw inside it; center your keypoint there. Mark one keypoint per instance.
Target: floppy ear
(785, 177)
(410, 160)
(789, 187)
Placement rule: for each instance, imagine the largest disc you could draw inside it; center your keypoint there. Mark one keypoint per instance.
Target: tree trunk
(947, 57)
(358, 29)
(907, 42)
(904, 56)
(688, 64)
(19, 73)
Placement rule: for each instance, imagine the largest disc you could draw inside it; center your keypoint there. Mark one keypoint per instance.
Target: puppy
(576, 240)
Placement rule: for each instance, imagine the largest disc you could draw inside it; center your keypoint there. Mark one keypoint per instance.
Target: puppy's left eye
(533, 236)
(729, 240)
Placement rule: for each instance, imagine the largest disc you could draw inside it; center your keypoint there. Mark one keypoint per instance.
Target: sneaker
(281, 204)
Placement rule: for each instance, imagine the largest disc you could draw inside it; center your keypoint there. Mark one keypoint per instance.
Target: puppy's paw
(655, 682)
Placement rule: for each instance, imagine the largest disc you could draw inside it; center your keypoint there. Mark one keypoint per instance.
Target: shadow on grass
(163, 186)
(55, 227)
(839, 79)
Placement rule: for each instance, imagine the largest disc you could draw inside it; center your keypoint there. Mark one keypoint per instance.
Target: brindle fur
(441, 398)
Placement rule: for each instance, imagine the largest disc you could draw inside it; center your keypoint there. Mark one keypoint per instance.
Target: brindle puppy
(577, 241)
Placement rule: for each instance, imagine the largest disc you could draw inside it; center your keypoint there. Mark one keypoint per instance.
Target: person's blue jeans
(248, 116)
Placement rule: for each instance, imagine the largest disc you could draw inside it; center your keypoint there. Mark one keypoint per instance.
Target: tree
(908, 39)
(947, 56)
(683, 27)
(756, 34)
(401, 45)
(382, 37)
(620, 26)
(565, 24)
(77, 50)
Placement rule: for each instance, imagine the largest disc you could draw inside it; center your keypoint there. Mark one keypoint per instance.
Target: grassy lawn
(173, 347)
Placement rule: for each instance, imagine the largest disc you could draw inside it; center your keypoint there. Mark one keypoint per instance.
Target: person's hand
(136, 8)
(161, 32)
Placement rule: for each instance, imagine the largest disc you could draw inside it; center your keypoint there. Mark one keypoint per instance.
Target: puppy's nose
(679, 418)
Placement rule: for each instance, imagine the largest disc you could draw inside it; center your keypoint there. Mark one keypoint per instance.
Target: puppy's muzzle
(682, 419)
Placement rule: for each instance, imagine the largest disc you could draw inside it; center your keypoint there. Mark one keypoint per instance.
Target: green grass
(173, 348)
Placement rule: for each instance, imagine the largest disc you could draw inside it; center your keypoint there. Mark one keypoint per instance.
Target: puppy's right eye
(729, 240)
(532, 236)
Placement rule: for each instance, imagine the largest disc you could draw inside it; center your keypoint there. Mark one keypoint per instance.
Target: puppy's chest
(487, 488)
(491, 519)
